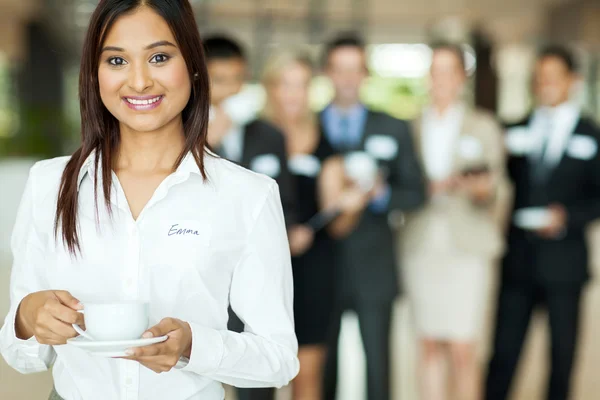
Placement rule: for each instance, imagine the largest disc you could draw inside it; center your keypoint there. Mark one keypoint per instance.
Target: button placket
(132, 262)
(132, 377)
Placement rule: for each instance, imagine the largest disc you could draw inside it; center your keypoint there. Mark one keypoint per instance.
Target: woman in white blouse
(97, 226)
(450, 245)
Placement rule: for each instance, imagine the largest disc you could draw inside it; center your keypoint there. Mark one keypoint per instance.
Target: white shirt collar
(455, 111)
(564, 119)
(188, 165)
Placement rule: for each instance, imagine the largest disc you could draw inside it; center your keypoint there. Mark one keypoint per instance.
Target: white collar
(454, 111)
(563, 110)
(188, 165)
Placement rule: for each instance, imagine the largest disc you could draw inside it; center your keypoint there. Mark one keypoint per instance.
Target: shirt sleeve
(261, 294)
(26, 356)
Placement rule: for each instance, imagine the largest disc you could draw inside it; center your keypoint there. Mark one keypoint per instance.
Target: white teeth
(143, 102)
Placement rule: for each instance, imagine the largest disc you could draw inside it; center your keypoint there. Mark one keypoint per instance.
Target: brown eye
(160, 59)
(117, 61)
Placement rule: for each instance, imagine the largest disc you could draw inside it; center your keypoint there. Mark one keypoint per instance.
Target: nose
(140, 79)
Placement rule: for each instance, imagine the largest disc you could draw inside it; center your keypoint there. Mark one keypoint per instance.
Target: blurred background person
(450, 245)
(235, 134)
(555, 167)
(320, 187)
(367, 280)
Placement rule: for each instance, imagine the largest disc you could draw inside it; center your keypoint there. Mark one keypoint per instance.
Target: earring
(196, 75)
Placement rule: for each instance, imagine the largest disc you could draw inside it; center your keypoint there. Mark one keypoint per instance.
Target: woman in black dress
(320, 186)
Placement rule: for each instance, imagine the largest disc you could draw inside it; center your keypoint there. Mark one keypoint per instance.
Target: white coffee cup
(362, 169)
(114, 321)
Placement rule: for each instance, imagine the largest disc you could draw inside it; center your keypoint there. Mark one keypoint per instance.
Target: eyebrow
(149, 47)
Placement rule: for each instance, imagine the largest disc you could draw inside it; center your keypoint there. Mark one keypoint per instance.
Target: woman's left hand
(301, 238)
(162, 357)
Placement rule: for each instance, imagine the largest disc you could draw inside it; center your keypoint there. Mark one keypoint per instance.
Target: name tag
(267, 164)
(187, 230)
(381, 147)
(178, 230)
(304, 164)
(582, 147)
(519, 141)
(470, 148)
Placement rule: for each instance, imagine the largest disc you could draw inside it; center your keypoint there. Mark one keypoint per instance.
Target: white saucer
(114, 348)
(532, 218)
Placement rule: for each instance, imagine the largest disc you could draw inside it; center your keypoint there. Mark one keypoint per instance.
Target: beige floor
(531, 375)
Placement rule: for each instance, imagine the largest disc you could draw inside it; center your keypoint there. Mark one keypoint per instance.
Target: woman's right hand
(354, 199)
(48, 316)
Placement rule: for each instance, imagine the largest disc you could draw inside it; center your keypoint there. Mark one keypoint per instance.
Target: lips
(144, 103)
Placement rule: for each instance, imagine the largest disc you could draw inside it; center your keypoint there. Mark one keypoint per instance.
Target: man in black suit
(367, 277)
(251, 143)
(554, 164)
(233, 132)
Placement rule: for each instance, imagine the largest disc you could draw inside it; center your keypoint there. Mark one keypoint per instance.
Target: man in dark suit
(554, 164)
(251, 143)
(233, 132)
(367, 277)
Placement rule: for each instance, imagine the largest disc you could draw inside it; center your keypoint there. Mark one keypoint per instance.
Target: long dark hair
(100, 129)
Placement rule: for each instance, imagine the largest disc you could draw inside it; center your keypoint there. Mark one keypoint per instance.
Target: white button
(129, 282)
(129, 381)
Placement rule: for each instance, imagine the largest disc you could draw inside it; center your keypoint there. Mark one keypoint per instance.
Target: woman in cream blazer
(449, 246)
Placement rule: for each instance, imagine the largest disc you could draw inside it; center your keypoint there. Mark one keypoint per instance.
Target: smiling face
(290, 92)
(553, 81)
(143, 78)
(227, 77)
(347, 69)
(447, 77)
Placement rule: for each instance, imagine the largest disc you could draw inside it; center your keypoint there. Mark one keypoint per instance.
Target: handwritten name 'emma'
(175, 230)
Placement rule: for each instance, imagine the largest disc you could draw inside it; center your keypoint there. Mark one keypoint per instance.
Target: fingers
(58, 328)
(54, 333)
(162, 328)
(148, 351)
(159, 357)
(63, 313)
(68, 300)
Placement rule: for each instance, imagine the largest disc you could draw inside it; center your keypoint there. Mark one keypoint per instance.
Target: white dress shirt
(240, 256)
(233, 143)
(440, 133)
(555, 124)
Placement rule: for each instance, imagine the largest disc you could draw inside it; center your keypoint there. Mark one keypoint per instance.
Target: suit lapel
(417, 132)
(563, 162)
(559, 164)
(466, 127)
(247, 144)
(368, 129)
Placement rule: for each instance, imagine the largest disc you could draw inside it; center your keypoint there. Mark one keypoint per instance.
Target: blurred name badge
(519, 141)
(470, 148)
(304, 164)
(382, 147)
(582, 147)
(267, 164)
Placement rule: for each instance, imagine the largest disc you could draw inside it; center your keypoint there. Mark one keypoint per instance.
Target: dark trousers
(515, 306)
(236, 325)
(375, 322)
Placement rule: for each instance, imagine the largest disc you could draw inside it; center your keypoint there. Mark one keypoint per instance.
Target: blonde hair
(272, 71)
